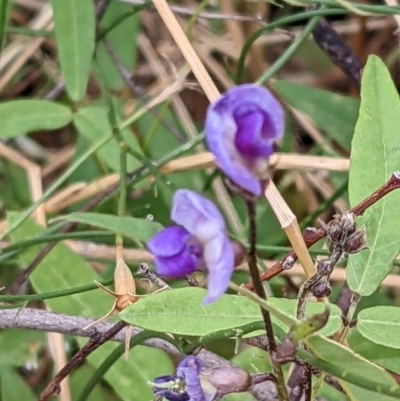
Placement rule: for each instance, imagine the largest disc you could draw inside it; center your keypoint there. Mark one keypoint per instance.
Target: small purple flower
(198, 241)
(185, 385)
(240, 130)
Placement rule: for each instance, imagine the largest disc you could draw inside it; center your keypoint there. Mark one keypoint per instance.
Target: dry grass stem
(187, 50)
(291, 227)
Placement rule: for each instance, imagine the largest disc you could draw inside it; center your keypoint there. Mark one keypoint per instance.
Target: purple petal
(191, 361)
(202, 219)
(176, 253)
(189, 370)
(250, 129)
(192, 384)
(240, 127)
(219, 258)
(197, 215)
(168, 242)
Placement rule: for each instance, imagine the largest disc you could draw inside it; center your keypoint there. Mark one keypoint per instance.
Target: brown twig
(53, 388)
(313, 236)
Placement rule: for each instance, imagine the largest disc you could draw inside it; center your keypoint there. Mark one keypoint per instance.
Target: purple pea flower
(240, 130)
(199, 240)
(185, 385)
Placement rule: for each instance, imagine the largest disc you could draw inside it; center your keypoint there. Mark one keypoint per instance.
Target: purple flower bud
(199, 241)
(240, 130)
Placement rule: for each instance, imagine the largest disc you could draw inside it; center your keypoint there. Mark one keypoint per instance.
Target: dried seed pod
(340, 228)
(355, 242)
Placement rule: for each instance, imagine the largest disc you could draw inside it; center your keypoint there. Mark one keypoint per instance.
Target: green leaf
(74, 25)
(253, 359)
(335, 114)
(374, 157)
(181, 312)
(13, 387)
(19, 117)
(124, 49)
(381, 325)
(356, 393)
(137, 229)
(63, 269)
(383, 356)
(92, 122)
(344, 364)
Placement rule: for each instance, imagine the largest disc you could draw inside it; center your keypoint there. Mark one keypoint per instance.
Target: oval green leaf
(181, 312)
(374, 158)
(381, 325)
(74, 25)
(383, 356)
(137, 229)
(19, 117)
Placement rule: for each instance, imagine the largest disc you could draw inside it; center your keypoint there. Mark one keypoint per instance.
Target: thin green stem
(194, 18)
(223, 334)
(278, 24)
(51, 295)
(54, 186)
(289, 52)
(80, 235)
(122, 187)
(16, 30)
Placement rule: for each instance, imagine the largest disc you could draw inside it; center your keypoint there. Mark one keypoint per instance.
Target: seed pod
(227, 380)
(356, 242)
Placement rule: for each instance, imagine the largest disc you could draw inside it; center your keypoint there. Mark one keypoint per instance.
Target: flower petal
(197, 215)
(202, 219)
(251, 125)
(240, 126)
(189, 370)
(176, 253)
(220, 131)
(168, 242)
(219, 259)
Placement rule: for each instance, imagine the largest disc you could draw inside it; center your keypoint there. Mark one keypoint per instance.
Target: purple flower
(198, 241)
(185, 385)
(240, 130)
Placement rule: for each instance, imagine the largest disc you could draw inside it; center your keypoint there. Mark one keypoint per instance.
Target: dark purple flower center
(255, 131)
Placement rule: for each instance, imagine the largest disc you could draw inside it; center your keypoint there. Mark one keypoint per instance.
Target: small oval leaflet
(181, 312)
(20, 117)
(381, 325)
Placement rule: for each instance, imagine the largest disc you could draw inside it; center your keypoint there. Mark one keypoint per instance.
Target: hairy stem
(313, 236)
